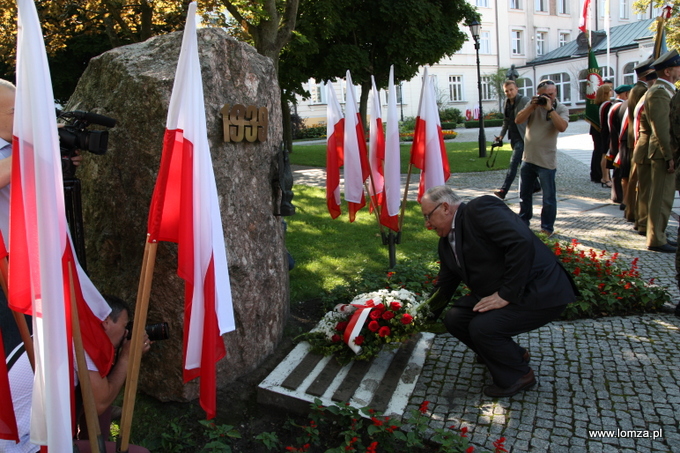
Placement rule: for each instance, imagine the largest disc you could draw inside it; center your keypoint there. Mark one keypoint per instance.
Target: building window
(624, 10)
(629, 73)
(582, 85)
(483, 3)
(608, 73)
(318, 92)
(541, 43)
(564, 38)
(455, 88)
(515, 4)
(487, 89)
(516, 42)
(563, 85)
(563, 6)
(541, 5)
(484, 42)
(525, 86)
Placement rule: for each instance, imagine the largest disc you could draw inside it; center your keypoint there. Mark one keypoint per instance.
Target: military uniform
(653, 155)
(675, 144)
(643, 70)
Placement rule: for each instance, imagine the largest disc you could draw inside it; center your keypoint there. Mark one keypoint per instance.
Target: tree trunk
(363, 102)
(287, 129)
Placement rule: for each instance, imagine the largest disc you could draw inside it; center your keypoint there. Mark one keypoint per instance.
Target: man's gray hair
(443, 194)
(7, 84)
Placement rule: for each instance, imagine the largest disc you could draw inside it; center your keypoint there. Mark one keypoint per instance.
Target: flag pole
(403, 203)
(375, 206)
(141, 310)
(19, 318)
(93, 428)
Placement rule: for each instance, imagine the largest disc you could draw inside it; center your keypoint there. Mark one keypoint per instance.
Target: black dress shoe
(526, 356)
(501, 193)
(523, 383)
(666, 248)
(671, 243)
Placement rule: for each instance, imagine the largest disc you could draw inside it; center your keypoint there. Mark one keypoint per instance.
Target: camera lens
(157, 332)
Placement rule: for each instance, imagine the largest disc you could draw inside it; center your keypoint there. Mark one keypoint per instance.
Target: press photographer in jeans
(545, 117)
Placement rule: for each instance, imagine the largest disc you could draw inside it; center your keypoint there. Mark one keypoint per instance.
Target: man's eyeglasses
(427, 216)
(544, 83)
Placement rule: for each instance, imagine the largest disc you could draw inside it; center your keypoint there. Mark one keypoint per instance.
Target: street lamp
(474, 29)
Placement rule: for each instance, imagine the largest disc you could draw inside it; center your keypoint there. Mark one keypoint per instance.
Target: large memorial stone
(133, 85)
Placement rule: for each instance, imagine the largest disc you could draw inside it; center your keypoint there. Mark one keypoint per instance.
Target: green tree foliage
(333, 36)
(672, 24)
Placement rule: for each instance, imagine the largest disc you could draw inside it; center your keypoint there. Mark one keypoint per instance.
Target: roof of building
(621, 37)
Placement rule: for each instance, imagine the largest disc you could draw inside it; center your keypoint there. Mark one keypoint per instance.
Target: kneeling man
(516, 282)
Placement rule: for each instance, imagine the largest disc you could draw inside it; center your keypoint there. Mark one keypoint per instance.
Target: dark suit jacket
(498, 252)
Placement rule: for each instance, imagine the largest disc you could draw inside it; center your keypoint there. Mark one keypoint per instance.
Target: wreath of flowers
(361, 329)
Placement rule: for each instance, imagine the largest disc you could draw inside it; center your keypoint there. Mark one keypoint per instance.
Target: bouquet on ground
(359, 330)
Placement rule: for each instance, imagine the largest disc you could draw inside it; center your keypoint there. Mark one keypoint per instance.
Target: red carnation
(335, 338)
(406, 319)
(341, 326)
(384, 331)
(359, 340)
(387, 315)
(375, 314)
(395, 305)
(373, 326)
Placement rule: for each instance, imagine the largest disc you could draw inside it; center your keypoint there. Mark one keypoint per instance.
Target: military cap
(622, 88)
(644, 68)
(667, 60)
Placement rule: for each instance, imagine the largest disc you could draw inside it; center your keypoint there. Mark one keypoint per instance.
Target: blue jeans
(528, 174)
(515, 160)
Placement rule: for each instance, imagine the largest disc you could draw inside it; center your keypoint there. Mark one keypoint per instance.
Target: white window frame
(456, 92)
(515, 4)
(563, 6)
(624, 10)
(541, 6)
(485, 42)
(563, 84)
(629, 73)
(541, 42)
(317, 92)
(564, 38)
(487, 89)
(482, 3)
(525, 86)
(517, 42)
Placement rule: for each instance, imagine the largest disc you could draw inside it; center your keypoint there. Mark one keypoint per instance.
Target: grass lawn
(463, 156)
(329, 252)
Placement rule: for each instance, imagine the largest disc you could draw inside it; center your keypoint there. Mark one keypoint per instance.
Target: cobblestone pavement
(618, 376)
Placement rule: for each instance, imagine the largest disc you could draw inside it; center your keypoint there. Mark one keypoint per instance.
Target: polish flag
(389, 213)
(42, 252)
(583, 21)
(185, 209)
(356, 160)
(428, 151)
(335, 130)
(376, 149)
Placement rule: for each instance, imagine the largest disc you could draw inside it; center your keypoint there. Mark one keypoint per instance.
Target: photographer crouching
(545, 117)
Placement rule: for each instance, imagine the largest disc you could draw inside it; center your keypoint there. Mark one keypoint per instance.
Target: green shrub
(446, 125)
(451, 115)
(487, 123)
(315, 131)
(408, 125)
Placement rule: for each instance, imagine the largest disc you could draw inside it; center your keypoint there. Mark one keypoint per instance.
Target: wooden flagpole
(93, 428)
(141, 310)
(19, 318)
(403, 203)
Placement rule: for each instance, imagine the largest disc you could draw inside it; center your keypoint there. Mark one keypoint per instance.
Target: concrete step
(384, 383)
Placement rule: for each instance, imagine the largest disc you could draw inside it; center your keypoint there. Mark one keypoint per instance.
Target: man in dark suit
(516, 283)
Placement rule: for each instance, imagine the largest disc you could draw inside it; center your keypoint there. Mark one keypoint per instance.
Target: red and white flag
(42, 253)
(583, 21)
(428, 151)
(389, 213)
(335, 130)
(355, 155)
(185, 209)
(8, 421)
(376, 148)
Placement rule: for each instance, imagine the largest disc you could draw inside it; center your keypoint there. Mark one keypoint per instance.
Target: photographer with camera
(545, 117)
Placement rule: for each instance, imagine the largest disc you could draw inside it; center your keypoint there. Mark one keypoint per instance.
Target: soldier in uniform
(653, 155)
(646, 76)
(675, 143)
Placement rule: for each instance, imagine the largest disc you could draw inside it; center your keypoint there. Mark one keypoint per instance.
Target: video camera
(74, 135)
